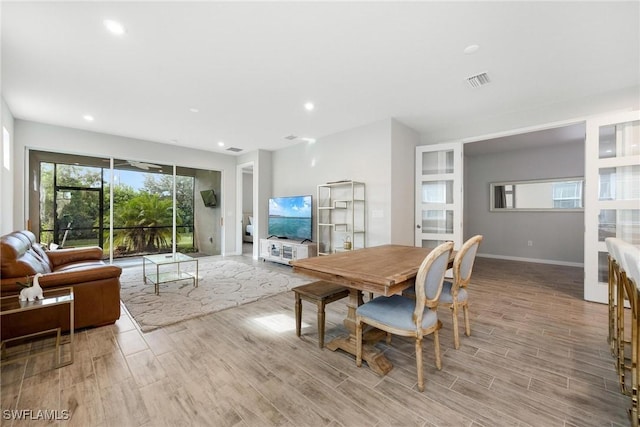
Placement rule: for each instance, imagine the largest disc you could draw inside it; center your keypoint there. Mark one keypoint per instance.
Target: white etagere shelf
(341, 214)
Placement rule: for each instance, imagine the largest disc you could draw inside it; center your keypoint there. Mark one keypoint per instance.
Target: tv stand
(284, 250)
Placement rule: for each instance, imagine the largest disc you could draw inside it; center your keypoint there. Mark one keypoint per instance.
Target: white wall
(360, 154)
(7, 166)
(556, 236)
(31, 135)
(247, 192)
(403, 150)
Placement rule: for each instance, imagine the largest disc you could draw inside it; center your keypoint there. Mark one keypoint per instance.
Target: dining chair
(632, 259)
(407, 317)
(454, 293)
(625, 294)
(611, 243)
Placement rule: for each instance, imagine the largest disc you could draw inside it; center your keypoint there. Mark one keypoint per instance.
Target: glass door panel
(142, 208)
(77, 217)
(612, 206)
(439, 191)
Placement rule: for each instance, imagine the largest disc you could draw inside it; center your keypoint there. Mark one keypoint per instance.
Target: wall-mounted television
(209, 198)
(290, 217)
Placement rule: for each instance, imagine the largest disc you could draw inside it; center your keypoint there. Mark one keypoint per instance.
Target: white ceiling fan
(143, 165)
(140, 165)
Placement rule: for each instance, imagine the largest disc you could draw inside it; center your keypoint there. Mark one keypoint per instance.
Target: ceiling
(248, 68)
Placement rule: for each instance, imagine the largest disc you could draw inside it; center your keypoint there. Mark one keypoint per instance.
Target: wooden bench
(321, 293)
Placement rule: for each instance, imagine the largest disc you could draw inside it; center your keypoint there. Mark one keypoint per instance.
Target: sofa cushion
(19, 259)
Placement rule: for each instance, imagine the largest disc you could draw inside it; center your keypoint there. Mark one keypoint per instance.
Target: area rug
(222, 284)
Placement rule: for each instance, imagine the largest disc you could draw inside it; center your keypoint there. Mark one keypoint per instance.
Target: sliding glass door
(154, 208)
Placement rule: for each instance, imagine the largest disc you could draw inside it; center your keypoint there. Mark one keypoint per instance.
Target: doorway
(248, 226)
(531, 235)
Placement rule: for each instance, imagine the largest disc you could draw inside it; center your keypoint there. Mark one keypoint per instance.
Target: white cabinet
(284, 250)
(341, 214)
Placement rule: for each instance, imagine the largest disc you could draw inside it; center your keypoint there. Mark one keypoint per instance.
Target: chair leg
(456, 334)
(467, 323)
(436, 345)
(298, 314)
(358, 343)
(419, 364)
(321, 324)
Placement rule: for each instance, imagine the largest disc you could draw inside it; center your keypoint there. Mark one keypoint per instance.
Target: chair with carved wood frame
(624, 364)
(404, 316)
(454, 294)
(613, 273)
(632, 259)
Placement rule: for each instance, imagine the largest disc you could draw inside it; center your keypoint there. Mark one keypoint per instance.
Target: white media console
(285, 250)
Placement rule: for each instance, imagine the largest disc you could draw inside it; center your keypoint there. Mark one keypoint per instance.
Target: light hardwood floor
(537, 356)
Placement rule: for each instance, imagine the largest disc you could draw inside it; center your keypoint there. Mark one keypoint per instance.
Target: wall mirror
(561, 194)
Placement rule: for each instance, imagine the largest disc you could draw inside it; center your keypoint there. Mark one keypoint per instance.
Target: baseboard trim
(534, 260)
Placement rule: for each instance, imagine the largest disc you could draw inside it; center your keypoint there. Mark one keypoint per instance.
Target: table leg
(376, 360)
(196, 278)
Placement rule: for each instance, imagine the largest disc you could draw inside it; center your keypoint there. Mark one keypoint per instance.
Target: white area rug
(223, 284)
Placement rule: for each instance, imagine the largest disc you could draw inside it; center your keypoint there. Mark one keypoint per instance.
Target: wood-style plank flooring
(538, 356)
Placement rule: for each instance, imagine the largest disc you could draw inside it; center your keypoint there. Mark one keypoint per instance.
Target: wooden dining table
(382, 270)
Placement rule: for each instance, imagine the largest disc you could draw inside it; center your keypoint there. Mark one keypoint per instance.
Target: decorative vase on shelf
(347, 243)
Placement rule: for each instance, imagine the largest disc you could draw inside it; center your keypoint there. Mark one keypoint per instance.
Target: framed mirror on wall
(559, 195)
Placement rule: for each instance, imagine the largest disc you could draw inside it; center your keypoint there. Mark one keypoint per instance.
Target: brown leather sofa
(96, 285)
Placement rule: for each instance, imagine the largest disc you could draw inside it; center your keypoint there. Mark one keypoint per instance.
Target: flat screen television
(209, 198)
(290, 217)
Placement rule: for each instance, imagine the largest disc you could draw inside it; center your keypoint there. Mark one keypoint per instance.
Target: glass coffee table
(164, 275)
(60, 296)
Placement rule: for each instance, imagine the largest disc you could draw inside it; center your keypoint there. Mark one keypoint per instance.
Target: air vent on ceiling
(290, 137)
(478, 80)
(234, 149)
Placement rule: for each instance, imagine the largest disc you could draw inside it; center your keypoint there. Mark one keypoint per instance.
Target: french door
(612, 196)
(438, 211)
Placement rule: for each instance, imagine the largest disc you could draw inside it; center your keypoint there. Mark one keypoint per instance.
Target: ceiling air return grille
(478, 80)
(234, 149)
(291, 137)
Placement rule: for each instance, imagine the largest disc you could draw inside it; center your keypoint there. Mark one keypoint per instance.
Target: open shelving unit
(341, 214)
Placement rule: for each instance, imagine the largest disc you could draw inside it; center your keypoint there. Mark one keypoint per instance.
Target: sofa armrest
(67, 256)
(73, 277)
(79, 275)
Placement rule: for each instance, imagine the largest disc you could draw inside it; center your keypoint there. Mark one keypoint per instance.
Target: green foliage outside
(142, 218)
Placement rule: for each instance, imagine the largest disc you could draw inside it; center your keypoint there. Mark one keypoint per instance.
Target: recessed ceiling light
(309, 140)
(221, 144)
(173, 141)
(309, 106)
(88, 117)
(194, 110)
(609, 151)
(114, 27)
(472, 48)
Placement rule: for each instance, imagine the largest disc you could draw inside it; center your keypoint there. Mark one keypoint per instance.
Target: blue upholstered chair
(407, 317)
(454, 294)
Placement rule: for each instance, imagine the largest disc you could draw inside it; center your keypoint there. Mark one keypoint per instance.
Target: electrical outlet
(530, 243)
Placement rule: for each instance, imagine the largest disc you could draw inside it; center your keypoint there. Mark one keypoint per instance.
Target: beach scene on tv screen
(290, 217)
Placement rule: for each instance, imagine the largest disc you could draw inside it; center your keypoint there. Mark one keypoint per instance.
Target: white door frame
(594, 290)
(456, 176)
(239, 210)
